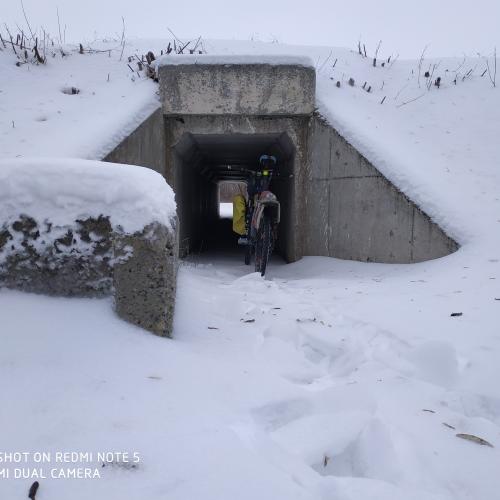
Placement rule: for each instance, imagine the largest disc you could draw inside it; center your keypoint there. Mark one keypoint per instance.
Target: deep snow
(265, 382)
(40, 117)
(340, 386)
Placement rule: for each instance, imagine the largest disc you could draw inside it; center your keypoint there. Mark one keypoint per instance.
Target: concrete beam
(237, 89)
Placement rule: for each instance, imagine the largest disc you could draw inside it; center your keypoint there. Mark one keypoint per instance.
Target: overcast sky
(450, 27)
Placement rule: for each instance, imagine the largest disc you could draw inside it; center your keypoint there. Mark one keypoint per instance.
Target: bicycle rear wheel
(263, 247)
(248, 253)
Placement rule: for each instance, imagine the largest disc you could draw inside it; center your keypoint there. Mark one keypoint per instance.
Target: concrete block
(145, 281)
(90, 258)
(237, 89)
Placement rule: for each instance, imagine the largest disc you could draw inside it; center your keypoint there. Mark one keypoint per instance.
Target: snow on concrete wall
(354, 212)
(238, 89)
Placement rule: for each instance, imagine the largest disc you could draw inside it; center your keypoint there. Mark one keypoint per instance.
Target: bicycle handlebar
(249, 171)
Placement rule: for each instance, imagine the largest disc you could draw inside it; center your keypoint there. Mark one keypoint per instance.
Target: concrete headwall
(145, 146)
(237, 89)
(353, 212)
(334, 203)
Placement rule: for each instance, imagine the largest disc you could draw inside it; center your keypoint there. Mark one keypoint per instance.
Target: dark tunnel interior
(201, 164)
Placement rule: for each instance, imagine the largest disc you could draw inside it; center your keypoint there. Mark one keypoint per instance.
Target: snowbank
(65, 190)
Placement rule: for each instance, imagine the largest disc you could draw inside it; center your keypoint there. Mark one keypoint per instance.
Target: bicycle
(262, 213)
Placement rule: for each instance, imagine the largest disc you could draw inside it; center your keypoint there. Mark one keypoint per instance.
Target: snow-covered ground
(328, 380)
(40, 116)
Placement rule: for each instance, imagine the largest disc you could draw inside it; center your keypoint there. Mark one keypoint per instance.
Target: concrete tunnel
(201, 164)
(224, 112)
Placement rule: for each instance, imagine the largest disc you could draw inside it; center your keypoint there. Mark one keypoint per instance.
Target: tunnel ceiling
(217, 151)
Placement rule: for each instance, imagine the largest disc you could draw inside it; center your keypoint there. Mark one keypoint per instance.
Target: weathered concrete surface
(237, 89)
(145, 146)
(145, 282)
(353, 212)
(90, 258)
(69, 261)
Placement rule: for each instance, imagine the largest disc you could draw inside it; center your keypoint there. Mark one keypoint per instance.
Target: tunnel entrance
(335, 202)
(202, 164)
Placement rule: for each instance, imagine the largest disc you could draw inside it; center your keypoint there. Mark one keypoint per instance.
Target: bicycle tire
(263, 246)
(248, 254)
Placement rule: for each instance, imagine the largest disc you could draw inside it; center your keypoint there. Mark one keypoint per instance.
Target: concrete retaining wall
(145, 281)
(353, 212)
(145, 146)
(94, 259)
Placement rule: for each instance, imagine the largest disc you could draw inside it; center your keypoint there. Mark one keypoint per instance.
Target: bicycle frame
(266, 201)
(262, 209)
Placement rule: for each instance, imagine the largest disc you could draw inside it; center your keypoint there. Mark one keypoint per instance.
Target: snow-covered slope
(40, 116)
(328, 380)
(441, 148)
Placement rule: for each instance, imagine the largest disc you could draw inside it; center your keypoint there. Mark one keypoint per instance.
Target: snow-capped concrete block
(224, 86)
(91, 229)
